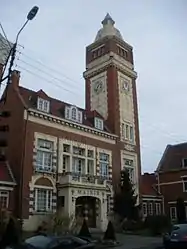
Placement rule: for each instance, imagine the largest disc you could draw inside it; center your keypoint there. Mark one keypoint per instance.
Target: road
(139, 242)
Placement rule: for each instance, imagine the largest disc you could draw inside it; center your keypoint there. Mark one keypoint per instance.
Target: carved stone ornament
(129, 147)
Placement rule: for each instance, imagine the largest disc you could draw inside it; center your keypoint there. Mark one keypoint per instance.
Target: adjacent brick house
(7, 187)
(172, 177)
(152, 200)
(66, 157)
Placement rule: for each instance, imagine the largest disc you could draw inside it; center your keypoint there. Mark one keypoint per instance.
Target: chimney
(15, 78)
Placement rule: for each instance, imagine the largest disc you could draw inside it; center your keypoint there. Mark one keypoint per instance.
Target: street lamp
(32, 13)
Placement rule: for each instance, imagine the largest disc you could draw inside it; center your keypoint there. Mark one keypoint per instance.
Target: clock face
(98, 87)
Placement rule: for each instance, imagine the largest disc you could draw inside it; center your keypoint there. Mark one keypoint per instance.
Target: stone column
(104, 219)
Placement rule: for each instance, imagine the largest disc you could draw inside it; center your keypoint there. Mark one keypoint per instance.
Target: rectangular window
(67, 112)
(80, 117)
(131, 174)
(90, 153)
(128, 165)
(99, 123)
(184, 162)
(78, 165)
(44, 155)
(43, 200)
(158, 208)
(150, 208)
(144, 207)
(103, 164)
(173, 213)
(90, 167)
(66, 163)
(78, 151)
(4, 198)
(184, 184)
(43, 105)
(131, 134)
(128, 132)
(66, 148)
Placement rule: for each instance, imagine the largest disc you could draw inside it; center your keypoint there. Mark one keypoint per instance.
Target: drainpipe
(158, 180)
(57, 167)
(22, 167)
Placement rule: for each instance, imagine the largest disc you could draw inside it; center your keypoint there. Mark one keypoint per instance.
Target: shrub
(84, 232)
(157, 224)
(110, 232)
(11, 235)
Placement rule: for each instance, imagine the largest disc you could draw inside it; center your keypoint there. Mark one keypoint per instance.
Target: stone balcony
(69, 178)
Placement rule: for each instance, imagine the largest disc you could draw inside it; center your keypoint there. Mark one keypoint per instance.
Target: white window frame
(49, 151)
(130, 167)
(175, 213)
(4, 194)
(43, 105)
(183, 164)
(67, 112)
(150, 208)
(76, 164)
(127, 132)
(158, 208)
(104, 162)
(184, 181)
(144, 209)
(73, 113)
(49, 191)
(98, 123)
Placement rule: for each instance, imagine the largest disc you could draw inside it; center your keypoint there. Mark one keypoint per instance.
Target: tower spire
(108, 20)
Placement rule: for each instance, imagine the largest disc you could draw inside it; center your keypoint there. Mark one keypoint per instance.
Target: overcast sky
(156, 29)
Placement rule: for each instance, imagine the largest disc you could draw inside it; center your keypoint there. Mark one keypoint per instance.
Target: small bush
(84, 232)
(157, 224)
(110, 232)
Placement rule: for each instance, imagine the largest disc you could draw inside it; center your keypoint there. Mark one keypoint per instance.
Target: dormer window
(73, 113)
(99, 123)
(43, 105)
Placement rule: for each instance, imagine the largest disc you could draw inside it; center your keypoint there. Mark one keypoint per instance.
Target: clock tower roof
(108, 29)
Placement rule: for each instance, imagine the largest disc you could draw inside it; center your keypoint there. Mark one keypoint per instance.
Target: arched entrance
(88, 207)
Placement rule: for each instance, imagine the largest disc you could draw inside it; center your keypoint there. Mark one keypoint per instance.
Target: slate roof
(57, 107)
(172, 157)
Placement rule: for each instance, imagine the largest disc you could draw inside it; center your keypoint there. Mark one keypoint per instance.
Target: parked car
(176, 237)
(55, 242)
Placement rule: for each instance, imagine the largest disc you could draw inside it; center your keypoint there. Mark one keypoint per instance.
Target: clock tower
(111, 91)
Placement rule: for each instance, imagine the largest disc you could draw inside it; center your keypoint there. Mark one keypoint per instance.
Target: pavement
(139, 242)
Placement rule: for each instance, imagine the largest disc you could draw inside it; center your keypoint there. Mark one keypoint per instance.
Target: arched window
(74, 113)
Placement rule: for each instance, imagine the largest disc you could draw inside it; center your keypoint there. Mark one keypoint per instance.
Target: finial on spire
(108, 20)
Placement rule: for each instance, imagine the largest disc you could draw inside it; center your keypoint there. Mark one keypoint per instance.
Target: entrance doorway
(86, 207)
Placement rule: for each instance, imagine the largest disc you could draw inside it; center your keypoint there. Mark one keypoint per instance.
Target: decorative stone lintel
(129, 147)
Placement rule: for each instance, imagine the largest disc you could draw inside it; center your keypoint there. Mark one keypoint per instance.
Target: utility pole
(32, 13)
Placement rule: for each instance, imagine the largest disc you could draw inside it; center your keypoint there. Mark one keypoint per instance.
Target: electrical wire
(155, 127)
(48, 67)
(46, 73)
(46, 80)
(5, 36)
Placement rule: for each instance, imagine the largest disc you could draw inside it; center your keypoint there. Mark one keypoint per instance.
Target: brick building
(70, 158)
(172, 177)
(152, 199)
